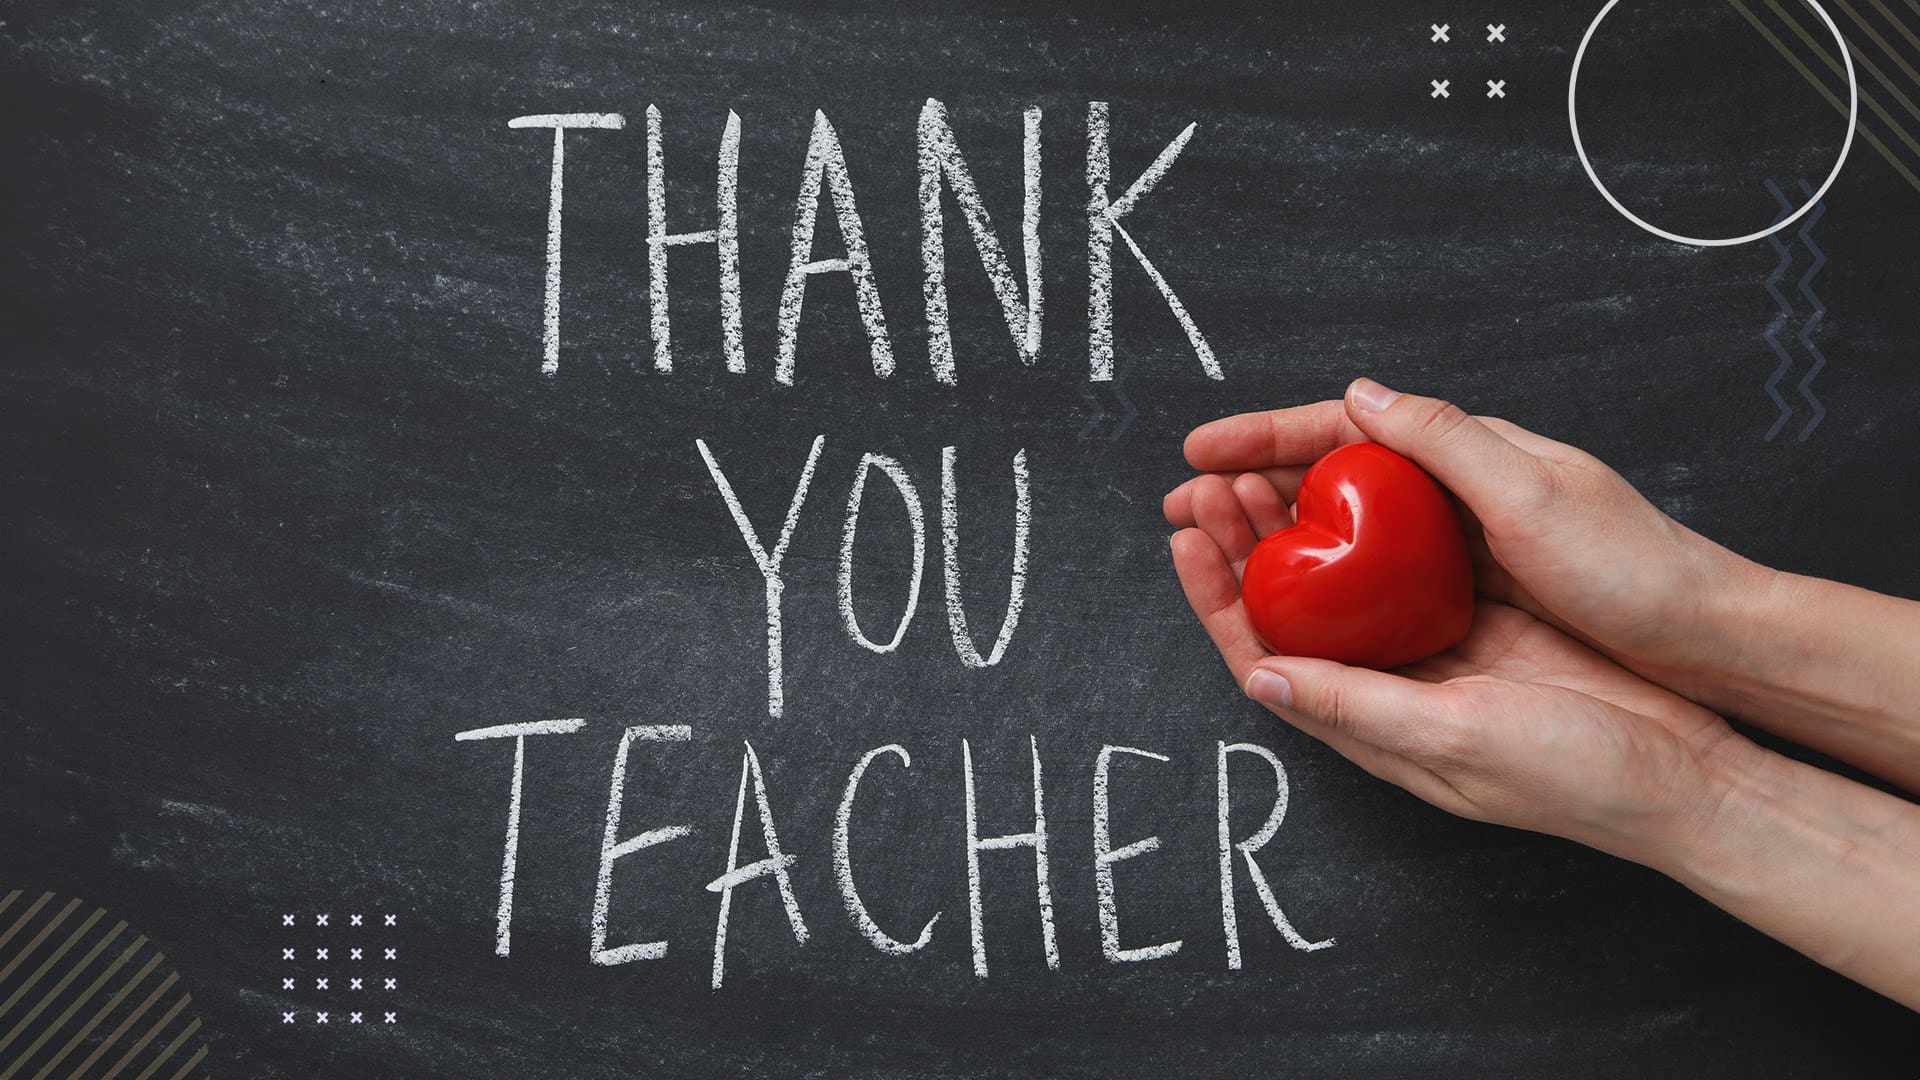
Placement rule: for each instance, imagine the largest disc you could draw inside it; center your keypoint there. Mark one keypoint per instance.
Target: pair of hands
(1566, 709)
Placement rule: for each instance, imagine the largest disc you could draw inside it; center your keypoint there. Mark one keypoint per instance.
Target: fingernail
(1370, 396)
(1270, 688)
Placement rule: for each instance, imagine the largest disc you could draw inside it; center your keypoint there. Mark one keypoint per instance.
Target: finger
(1532, 442)
(1177, 505)
(1214, 594)
(1399, 715)
(1461, 452)
(1215, 597)
(1266, 509)
(1296, 436)
(1380, 763)
(1392, 768)
(1217, 510)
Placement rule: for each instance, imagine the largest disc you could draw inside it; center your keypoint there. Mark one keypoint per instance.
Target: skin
(1588, 700)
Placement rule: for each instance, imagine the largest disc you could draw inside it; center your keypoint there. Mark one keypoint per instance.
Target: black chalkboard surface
(326, 477)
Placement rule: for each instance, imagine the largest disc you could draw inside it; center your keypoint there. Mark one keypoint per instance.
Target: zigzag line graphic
(1099, 414)
(1772, 332)
(1819, 312)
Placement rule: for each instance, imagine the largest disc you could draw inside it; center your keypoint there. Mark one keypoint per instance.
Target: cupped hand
(1554, 532)
(1519, 724)
(1531, 722)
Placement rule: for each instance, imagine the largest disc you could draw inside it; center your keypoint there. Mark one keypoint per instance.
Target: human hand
(1526, 723)
(1518, 724)
(1521, 725)
(1554, 532)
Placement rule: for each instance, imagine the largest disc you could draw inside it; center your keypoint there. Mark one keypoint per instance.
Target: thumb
(1468, 457)
(1391, 712)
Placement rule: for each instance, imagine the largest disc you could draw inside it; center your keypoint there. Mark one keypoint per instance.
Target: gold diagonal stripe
(47, 965)
(158, 1026)
(1840, 70)
(105, 1010)
(1881, 7)
(121, 1028)
(199, 1056)
(1880, 41)
(1880, 75)
(1915, 5)
(172, 1048)
(1838, 105)
(25, 917)
(27, 950)
(73, 1007)
(8, 902)
(61, 986)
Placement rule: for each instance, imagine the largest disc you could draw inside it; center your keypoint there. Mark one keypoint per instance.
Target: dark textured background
(288, 504)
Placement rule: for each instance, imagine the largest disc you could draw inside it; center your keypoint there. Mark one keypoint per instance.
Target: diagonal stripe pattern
(79, 999)
(1889, 78)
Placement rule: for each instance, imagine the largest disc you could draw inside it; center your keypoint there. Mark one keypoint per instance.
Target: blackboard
(291, 503)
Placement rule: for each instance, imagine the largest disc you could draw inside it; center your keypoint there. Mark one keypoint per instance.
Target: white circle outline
(1853, 115)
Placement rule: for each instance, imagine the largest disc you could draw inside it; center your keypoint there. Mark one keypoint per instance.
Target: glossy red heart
(1373, 572)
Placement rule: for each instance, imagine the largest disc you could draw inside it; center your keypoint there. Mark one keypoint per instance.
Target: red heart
(1375, 570)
